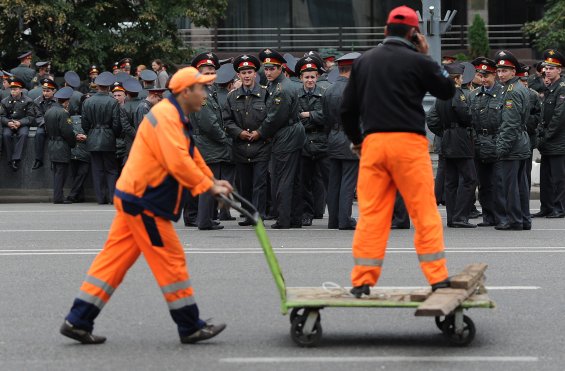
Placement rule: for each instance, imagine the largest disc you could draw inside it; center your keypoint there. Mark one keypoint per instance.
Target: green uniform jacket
(74, 104)
(247, 112)
(79, 152)
(535, 118)
(282, 123)
(26, 74)
(513, 142)
(21, 109)
(35, 92)
(101, 120)
(209, 132)
(42, 105)
(485, 112)
(338, 143)
(60, 134)
(552, 135)
(128, 125)
(316, 136)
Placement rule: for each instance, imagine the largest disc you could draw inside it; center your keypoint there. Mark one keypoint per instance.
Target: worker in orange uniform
(162, 165)
(385, 93)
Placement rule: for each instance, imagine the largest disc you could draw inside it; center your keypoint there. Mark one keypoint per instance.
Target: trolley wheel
(465, 337)
(439, 323)
(296, 312)
(297, 330)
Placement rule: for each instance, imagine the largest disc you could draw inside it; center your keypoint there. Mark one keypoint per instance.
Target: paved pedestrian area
(46, 249)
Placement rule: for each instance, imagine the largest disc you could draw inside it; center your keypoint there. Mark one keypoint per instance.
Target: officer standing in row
(24, 72)
(513, 146)
(283, 127)
(344, 164)
(451, 120)
(72, 80)
(211, 139)
(80, 162)
(244, 113)
(61, 139)
(101, 122)
(17, 114)
(224, 82)
(87, 86)
(42, 105)
(132, 88)
(315, 165)
(154, 96)
(485, 105)
(552, 139)
(148, 78)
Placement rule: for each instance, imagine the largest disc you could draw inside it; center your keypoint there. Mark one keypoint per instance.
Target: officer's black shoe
(15, 165)
(296, 225)
(269, 217)
(321, 216)
(245, 223)
(205, 333)
(306, 222)
(397, 226)
(227, 217)
(540, 214)
(485, 224)
(83, 336)
(527, 227)
(555, 215)
(278, 226)
(66, 202)
(463, 225)
(212, 228)
(450, 225)
(474, 214)
(37, 164)
(190, 224)
(509, 227)
(358, 291)
(441, 285)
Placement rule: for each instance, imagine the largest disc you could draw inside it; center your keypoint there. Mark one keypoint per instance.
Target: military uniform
(42, 105)
(61, 139)
(552, 143)
(128, 111)
(451, 120)
(315, 163)
(101, 122)
(245, 110)
(19, 109)
(282, 126)
(24, 72)
(79, 165)
(73, 80)
(344, 165)
(513, 149)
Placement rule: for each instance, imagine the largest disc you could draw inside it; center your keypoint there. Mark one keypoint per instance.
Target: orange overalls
(150, 193)
(391, 162)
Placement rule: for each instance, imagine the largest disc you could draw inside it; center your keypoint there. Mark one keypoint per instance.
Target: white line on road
(434, 359)
(235, 230)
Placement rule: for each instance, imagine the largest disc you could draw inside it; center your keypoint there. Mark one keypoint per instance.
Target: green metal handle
(243, 208)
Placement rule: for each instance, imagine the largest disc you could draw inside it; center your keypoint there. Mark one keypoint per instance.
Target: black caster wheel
(465, 337)
(439, 323)
(297, 331)
(296, 312)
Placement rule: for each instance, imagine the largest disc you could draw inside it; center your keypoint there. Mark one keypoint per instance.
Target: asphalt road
(46, 249)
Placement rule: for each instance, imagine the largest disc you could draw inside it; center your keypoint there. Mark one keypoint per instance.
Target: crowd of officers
(486, 136)
(271, 125)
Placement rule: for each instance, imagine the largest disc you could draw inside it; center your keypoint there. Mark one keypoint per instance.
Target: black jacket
(316, 137)
(79, 152)
(386, 89)
(552, 137)
(247, 112)
(512, 142)
(101, 122)
(41, 107)
(485, 111)
(451, 120)
(338, 144)
(535, 118)
(21, 109)
(282, 123)
(61, 137)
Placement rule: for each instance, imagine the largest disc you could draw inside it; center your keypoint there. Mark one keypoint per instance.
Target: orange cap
(186, 77)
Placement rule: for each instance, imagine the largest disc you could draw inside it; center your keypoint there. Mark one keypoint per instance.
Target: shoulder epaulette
(510, 87)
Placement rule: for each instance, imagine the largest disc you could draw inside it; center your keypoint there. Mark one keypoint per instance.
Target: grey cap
(122, 77)
(348, 57)
(454, 68)
(333, 75)
(468, 72)
(132, 85)
(105, 79)
(64, 93)
(225, 74)
(148, 75)
(72, 79)
(290, 61)
(41, 64)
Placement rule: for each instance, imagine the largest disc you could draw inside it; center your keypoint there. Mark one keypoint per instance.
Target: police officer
(24, 72)
(225, 83)
(88, 86)
(17, 114)
(283, 127)
(513, 145)
(148, 78)
(132, 88)
(155, 95)
(80, 161)
(119, 94)
(533, 120)
(5, 88)
(125, 65)
(42, 105)
(552, 139)
(37, 91)
(323, 81)
(344, 165)
(61, 139)
(244, 113)
(72, 80)
(211, 139)
(451, 120)
(535, 79)
(289, 70)
(315, 164)
(101, 122)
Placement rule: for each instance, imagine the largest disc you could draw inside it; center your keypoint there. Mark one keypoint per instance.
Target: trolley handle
(244, 206)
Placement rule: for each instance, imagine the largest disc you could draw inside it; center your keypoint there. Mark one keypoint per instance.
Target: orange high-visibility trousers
(391, 162)
(130, 235)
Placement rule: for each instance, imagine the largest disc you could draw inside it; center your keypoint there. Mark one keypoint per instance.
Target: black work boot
(83, 336)
(207, 332)
(441, 285)
(358, 291)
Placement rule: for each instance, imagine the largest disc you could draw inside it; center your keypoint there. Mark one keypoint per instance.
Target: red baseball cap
(404, 15)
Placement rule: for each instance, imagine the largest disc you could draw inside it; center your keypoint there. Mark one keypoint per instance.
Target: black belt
(454, 125)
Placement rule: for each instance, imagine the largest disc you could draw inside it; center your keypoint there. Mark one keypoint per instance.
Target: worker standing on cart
(385, 93)
(162, 165)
